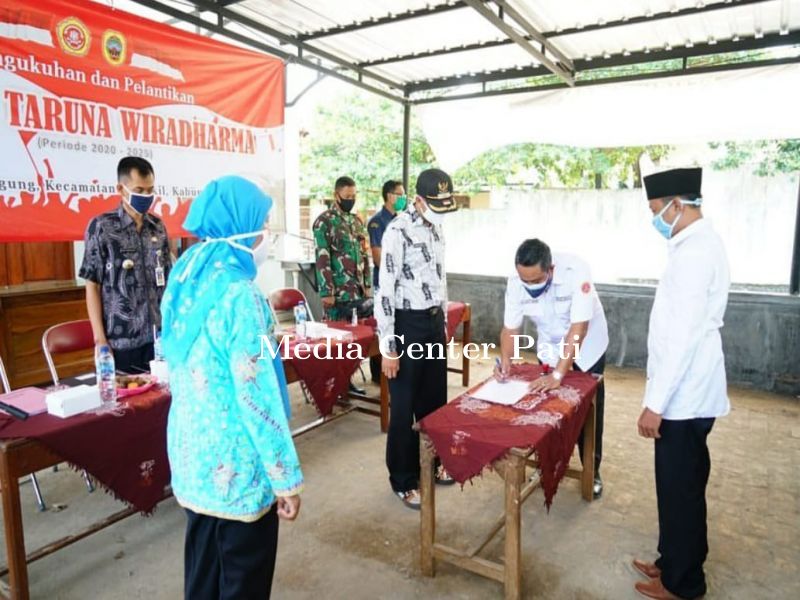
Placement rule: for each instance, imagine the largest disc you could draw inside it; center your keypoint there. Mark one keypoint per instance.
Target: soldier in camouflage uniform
(343, 274)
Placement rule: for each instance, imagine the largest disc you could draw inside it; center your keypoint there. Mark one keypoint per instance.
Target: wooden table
(466, 338)
(19, 458)
(360, 400)
(366, 404)
(512, 470)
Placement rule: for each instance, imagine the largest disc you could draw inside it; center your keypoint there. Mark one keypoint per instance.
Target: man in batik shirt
(126, 264)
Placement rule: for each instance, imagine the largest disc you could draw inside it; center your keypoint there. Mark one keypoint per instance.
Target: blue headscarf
(227, 206)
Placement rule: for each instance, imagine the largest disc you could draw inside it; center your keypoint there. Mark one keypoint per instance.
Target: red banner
(83, 85)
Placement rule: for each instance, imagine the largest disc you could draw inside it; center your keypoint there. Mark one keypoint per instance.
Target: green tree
(768, 156)
(359, 135)
(547, 165)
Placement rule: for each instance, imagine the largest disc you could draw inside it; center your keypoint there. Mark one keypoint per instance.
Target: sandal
(410, 498)
(442, 477)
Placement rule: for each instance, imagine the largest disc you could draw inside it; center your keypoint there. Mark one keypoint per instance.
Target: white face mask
(259, 252)
(432, 217)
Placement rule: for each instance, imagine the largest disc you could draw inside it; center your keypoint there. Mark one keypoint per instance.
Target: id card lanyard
(160, 279)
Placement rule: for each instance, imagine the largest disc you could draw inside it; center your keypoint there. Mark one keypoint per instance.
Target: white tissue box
(318, 330)
(314, 329)
(73, 401)
(337, 334)
(159, 370)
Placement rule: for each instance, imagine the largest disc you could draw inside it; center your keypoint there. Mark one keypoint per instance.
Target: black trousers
(419, 389)
(598, 368)
(229, 560)
(134, 360)
(682, 468)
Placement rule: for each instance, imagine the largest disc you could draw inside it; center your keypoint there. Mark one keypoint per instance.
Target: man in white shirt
(557, 293)
(411, 307)
(686, 385)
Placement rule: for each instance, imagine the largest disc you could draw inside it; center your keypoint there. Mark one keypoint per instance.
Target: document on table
(509, 392)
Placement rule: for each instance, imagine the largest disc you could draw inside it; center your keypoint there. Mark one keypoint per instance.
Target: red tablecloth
(328, 379)
(455, 310)
(124, 450)
(468, 434)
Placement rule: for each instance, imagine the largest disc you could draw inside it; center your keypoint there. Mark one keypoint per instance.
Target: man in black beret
(686, 385)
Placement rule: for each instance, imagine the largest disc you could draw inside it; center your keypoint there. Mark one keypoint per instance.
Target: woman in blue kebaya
(234, 466)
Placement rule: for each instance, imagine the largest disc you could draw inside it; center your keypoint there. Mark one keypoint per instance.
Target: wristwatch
(557, 376)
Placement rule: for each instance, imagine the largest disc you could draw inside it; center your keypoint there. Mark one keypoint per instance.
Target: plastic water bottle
(300, 318)
(158, 349)
(106, 374)
(354, 317)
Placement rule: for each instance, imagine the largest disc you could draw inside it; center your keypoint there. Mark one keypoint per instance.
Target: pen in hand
(500, 376)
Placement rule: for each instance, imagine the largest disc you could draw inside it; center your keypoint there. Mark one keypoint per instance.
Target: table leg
(15, 538)
(466, 338)
(427, 506)
(384, 404)
(514, 476)
(587, 477)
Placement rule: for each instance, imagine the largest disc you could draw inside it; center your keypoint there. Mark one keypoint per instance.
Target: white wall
(611, 228)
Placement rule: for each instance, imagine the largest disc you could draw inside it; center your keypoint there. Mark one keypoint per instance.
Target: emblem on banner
(73, 36)
(114, 47)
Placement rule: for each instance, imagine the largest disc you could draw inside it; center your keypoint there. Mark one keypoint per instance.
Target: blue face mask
(662, 226)
(141, 203)
(537, 289)
(665, 228)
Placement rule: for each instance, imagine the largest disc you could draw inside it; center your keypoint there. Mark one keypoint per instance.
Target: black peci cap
(675, 182)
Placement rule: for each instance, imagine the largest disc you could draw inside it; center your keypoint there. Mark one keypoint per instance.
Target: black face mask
(346, 204)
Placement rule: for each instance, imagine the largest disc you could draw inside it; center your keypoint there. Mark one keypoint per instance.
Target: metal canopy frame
(549, 63)
(560, 65)
(547, 57)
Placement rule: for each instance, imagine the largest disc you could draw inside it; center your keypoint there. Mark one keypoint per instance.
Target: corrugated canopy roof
(421, 50)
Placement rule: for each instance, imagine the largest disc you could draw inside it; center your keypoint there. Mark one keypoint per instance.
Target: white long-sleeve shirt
(412, 271)
(572, 298)
(685, 365)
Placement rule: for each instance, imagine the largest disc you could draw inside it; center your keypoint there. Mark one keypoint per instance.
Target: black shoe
(356, 390)
(597, 488)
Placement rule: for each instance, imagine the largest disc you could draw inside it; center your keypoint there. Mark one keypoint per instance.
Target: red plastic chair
(71, 336)
(285, 299)
(6, 388)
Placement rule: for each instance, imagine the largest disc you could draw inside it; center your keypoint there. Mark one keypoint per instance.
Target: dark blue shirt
(376, 226)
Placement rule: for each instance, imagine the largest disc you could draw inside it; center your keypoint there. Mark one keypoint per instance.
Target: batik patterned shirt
(123, 262)
(228, 439)
(412, 271)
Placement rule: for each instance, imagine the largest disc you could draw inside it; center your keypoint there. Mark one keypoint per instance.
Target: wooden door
(27, 262)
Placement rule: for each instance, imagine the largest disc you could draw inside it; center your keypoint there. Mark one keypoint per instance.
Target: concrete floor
(354, 540)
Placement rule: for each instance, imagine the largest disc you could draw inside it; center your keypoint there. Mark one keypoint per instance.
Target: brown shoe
(654, 589)
(647, 569)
